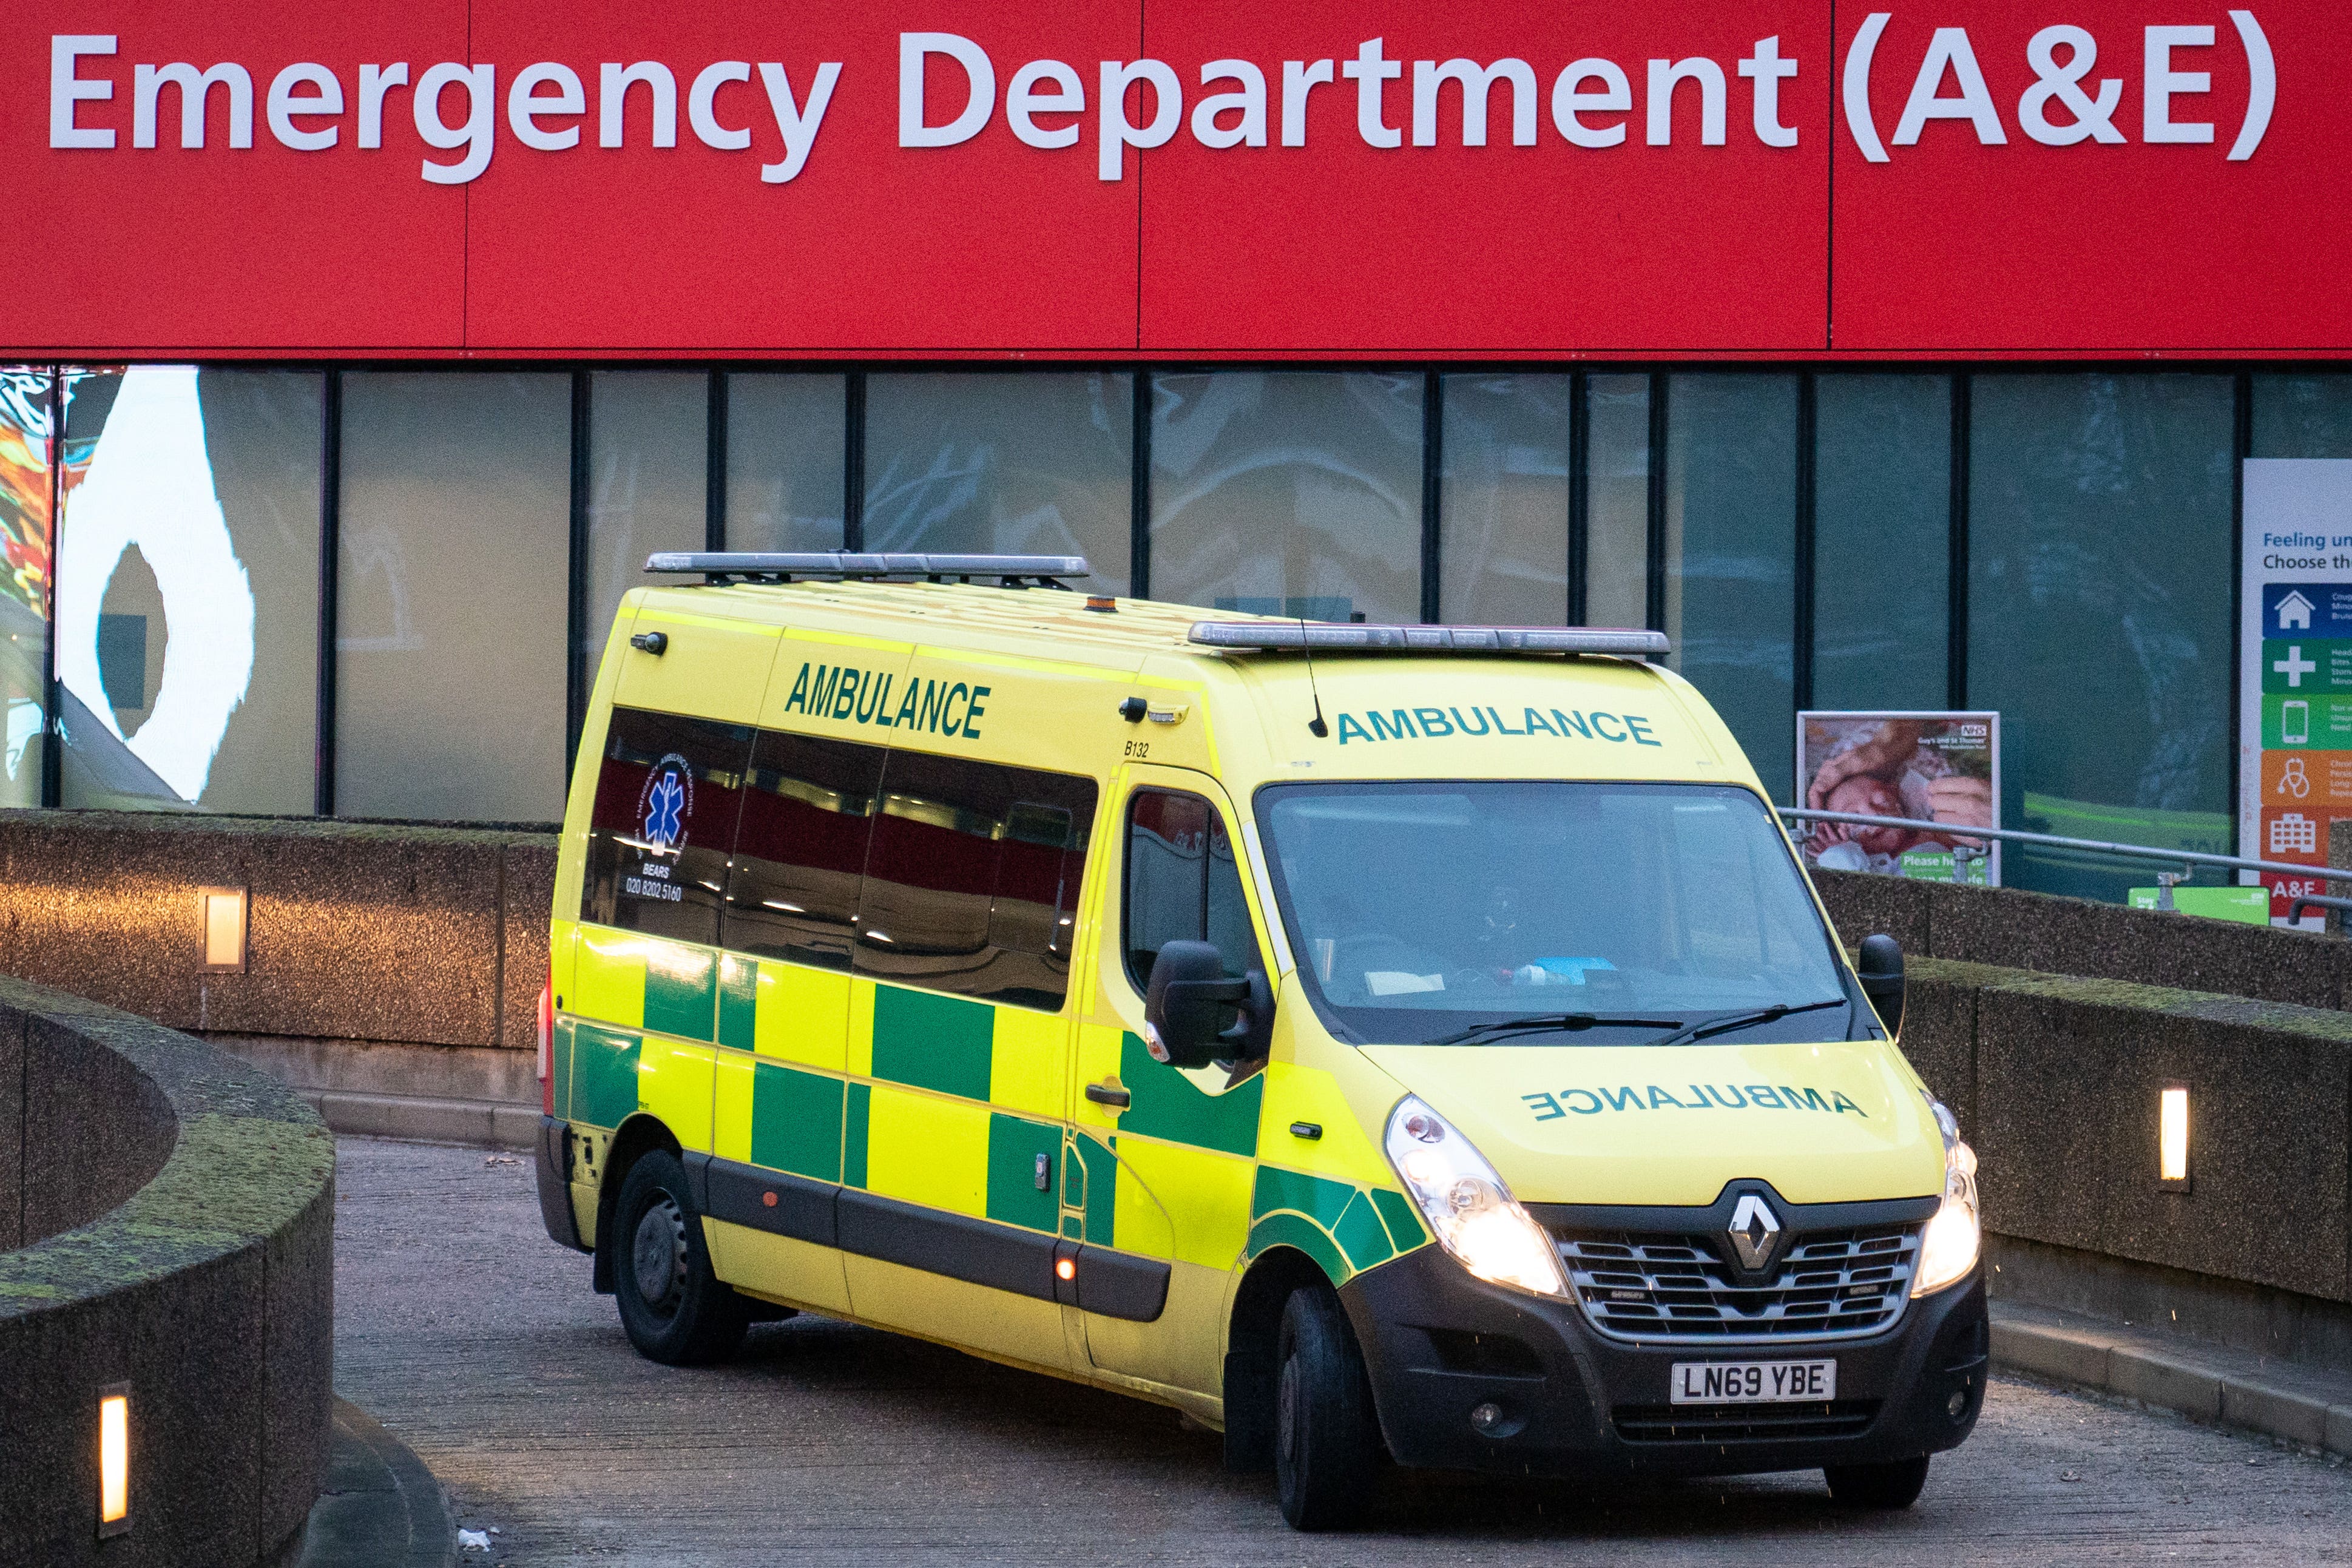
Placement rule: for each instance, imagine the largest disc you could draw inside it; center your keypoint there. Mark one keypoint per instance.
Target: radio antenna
(1315, 725)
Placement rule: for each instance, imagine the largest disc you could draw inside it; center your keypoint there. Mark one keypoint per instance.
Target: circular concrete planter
(171, 1212)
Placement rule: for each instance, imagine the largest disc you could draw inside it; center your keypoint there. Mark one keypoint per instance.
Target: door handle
(1107, 1094)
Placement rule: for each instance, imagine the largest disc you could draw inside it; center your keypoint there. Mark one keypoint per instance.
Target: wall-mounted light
(222, 910)
(114, 1460)
(2172, 1139)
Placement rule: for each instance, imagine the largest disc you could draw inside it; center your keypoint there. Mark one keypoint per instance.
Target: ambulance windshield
(1552, 913)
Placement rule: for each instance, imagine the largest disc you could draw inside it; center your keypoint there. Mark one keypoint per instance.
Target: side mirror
(1881, 971)
(1185, 1003)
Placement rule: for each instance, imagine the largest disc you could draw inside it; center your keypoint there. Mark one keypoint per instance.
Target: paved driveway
(477, 1342)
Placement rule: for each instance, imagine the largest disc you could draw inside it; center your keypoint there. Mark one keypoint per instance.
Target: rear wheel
(675, 1309)
(1327, 1446)
(1894, 1484)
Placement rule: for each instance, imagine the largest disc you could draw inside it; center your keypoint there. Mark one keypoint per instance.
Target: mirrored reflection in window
(786, 442)
(1730, 559)
(2099, 590)
(971, 882)
(1037, 463)
(1503, 500)
(450, 666)
(25, 479)
(188, 589)
(1617, 501)
(1882, 541)
(2302, 413)
(1289, 492)
(669, 791)
(649, 471)
(800, 852)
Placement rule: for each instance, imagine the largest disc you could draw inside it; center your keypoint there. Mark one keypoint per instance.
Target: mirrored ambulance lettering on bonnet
(1049, 977)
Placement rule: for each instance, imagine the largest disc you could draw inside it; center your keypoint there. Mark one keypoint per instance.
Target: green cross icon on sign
(2294, 666)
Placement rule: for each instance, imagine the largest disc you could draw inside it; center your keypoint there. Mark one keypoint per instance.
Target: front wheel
(675, 1309)
(1894, 1484)
(1327, 1446)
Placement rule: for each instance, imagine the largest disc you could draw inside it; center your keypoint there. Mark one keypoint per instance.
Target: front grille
(1828, 1284)
(1741, 1423)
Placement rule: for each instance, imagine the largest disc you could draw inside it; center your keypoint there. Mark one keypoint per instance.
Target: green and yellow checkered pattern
(947, 1103)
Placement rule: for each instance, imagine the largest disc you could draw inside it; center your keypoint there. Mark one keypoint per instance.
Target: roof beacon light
(1273, 636)
(719, 566)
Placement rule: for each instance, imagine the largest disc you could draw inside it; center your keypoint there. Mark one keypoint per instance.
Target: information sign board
(2294, 666)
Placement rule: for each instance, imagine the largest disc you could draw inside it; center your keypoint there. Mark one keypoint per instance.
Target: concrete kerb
(2306, 1406)
(489, 1124)
(379, 1507)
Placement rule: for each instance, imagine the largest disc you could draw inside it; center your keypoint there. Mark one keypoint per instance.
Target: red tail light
(546, 1048)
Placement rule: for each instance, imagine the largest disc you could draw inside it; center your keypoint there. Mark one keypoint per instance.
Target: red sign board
(1201, 179)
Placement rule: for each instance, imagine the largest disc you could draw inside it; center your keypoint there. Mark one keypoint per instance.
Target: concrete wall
(2019, 929)
(189, 1205)
(2055, 1079)
(379, 959)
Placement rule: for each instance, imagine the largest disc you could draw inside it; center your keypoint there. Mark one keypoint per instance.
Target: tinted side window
(1184, 884)
(798, 857)
(668, 793)
(972, 883)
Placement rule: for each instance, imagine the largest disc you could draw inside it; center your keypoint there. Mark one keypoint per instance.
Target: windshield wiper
(1548, 1023)
(1685, 1034)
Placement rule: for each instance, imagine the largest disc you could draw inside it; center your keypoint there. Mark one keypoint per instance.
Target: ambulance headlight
(1472, 1213)
(1948, 1249)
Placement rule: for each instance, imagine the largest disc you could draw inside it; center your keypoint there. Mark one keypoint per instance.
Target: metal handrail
(2017, 836)
(2318, 901)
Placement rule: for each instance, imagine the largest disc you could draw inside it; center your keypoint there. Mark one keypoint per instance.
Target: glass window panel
(2302, 413)
(1228, 927)
(648, 472)
(2099, 589)
(1287, 492)
(785, 440)
(188, 589)
(1731, 552)
(1036, 463)
(1183, 884)
(1617, 501)
(962, 854)
(25, 480)
(1882, 541)
(1167, 834)
(449, 650)
(801, 850)
(1423, 908)
(661, 833)
(1503, 500)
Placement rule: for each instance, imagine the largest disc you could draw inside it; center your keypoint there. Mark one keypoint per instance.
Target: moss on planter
(246, 1160)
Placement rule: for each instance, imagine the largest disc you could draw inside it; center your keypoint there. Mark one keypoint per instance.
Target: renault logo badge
(1754, 1228)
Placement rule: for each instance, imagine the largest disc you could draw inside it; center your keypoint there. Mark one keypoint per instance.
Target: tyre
(673, 1309)
(1894, 1484)
(1327, 1446)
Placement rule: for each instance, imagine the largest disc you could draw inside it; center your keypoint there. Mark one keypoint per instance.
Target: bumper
(1438, 1343)
(553, 1158)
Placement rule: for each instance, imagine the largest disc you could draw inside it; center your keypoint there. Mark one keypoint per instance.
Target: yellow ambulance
(1380, 1043)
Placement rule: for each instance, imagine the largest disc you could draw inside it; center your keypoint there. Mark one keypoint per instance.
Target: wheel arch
(1253, 1327)
(634, 1138)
